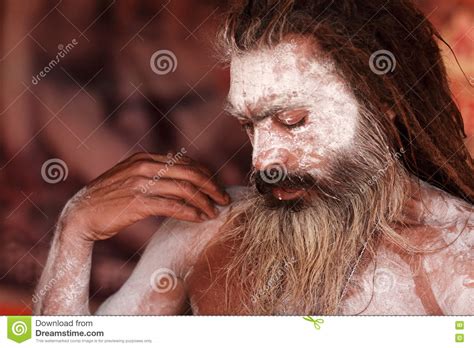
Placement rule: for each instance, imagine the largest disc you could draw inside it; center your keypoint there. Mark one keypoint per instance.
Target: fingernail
(216, 210)
(203, 217)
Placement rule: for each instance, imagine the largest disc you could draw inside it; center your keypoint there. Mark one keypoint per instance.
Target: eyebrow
(230, 108)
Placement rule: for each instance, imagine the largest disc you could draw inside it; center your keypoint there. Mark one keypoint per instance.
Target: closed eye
(293, 118)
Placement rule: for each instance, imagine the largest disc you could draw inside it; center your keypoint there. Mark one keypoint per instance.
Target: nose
(273, 157)
(272, 150)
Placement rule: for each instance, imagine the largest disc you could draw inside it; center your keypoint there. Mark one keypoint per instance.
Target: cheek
(310, 148)
(334, 123)
(316, 145)
(308, 151)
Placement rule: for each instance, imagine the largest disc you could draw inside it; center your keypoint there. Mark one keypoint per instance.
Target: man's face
(297, 112)
(301, 115)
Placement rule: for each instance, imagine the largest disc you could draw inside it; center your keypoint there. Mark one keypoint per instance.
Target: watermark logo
(382, 62)
(170, 162)
(63, 51)
(163, 280)
(459, 336)
(384, 280)
(163, 62)
(54, 170)
(19, 328)
(65, 269)
(316, 322)
(273, 282)
(274, 173)
(392, 160)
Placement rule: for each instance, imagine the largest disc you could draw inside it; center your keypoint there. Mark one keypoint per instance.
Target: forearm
(64, 283)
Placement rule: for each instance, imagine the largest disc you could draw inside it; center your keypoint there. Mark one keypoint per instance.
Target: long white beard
(299, 262)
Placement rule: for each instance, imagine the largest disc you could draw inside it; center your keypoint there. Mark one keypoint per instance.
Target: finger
(199, 165)
(166, 188)
(173, 209)
(158, 170)
(120, 169)
(170, 159)
(205, 183)
(179, 189)
(147, 156)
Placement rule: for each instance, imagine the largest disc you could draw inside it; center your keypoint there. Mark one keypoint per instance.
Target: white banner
(189, 331)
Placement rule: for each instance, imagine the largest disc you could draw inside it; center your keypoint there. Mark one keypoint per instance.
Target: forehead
(291, 71)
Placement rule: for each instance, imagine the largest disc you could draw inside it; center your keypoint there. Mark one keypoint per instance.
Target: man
(363, 187)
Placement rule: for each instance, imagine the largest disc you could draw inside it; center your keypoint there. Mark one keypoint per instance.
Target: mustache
(266, 180)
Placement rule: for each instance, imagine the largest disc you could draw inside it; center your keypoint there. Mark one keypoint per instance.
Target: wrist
(73, 231)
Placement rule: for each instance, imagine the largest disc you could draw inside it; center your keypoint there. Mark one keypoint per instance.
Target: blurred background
(85, 86)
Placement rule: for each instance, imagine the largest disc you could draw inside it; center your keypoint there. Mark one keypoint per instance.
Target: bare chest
(438, 281)
(393, 285)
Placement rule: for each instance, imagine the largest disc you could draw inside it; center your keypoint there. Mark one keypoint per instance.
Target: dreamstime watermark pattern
(172, 160)
(381, 172)
(273, 281)
(65, 268)
(316, 321)
(54, 170)
(277, 172)
(19, 328)
(64, 50)
(163, 280)
(382, 62)
(384, 280)
(274, 173)
(163, 62)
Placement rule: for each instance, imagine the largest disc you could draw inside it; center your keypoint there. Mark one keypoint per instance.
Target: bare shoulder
(450, 267)
(441, 227)
(156, 285)
(184, 241)
(439, 279)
